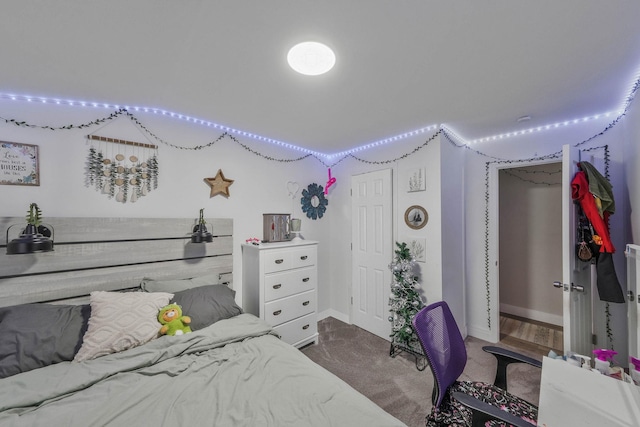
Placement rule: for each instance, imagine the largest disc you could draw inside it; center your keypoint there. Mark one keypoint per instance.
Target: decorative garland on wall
(92, 123)
(512, 174)
(443, 130)
(138, 123)
(448, 135)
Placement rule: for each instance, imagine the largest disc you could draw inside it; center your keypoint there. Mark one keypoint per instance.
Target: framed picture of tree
(416, 180)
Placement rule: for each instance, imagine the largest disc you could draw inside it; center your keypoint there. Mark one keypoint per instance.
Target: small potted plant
(200, 232)
(34, 219)
(35, 237)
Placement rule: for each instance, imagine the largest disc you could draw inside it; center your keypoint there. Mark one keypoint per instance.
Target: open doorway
(530, 256)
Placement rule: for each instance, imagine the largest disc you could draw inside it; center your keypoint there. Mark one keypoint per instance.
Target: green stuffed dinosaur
(172, 320)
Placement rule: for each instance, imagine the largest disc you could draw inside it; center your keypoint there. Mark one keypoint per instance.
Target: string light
(381, 142)
(633, 88)
(177, 116)
(541, 128)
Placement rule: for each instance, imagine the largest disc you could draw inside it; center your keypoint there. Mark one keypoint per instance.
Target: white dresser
(279, 285)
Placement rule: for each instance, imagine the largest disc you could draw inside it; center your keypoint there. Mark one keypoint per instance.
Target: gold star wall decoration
(219, 184)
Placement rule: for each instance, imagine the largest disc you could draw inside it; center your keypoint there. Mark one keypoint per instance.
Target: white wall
(631, 142)
(429, 158)
(442, 273)
(259, 185)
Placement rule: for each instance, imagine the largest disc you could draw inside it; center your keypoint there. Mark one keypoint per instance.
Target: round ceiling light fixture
(311, 58)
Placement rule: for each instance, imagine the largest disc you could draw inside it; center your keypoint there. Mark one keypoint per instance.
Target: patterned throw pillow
(121, 320)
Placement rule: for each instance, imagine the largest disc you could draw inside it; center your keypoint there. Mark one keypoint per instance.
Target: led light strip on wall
(382, 142)
(542, 128)
(57, 101)
(207, 123)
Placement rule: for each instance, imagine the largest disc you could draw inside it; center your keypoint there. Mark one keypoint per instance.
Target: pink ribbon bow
(329, 183)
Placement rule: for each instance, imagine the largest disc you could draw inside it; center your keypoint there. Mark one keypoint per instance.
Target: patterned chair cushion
(452, 413)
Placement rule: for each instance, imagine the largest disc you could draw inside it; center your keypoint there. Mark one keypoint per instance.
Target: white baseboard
(335, 314)
(481, 334)
(528, 313)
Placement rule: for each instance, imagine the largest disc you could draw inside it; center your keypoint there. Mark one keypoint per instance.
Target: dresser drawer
(304, 256)
(298, 329)
(285, 309)
(285, 259)
(280, 285)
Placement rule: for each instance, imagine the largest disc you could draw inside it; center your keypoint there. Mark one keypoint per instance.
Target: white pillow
(121, 320)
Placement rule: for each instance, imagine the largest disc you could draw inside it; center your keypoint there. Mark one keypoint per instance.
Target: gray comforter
(232, 373)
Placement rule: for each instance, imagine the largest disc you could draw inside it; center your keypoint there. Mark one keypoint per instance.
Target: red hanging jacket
(580, 192)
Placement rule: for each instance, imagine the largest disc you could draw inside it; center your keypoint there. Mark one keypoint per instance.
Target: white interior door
(372, 251)
(576, 276)
(633, 308)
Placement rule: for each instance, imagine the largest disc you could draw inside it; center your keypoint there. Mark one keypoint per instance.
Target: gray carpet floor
(362, 360)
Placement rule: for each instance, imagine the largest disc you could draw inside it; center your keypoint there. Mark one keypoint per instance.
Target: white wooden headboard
(111, 254)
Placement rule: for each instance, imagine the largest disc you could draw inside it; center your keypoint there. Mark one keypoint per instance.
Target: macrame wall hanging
(123, 170)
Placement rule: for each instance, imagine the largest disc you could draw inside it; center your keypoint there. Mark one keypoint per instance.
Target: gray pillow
(207, 304)
(177, 285)
(37, 335)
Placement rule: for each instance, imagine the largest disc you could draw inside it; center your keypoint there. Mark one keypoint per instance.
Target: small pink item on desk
(603, 358)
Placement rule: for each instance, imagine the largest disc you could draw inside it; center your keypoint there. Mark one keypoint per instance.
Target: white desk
(572, 396)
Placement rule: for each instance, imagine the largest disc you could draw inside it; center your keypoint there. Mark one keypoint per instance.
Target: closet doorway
(530, 256)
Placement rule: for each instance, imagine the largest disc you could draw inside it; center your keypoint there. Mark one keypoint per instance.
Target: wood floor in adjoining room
(530, 334)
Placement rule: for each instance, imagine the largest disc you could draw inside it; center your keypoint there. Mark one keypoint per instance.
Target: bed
(75, 347)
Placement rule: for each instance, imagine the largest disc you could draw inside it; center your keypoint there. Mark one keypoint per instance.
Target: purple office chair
(467, 403)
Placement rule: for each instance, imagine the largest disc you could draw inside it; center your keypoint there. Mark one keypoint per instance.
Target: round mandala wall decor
(314, 204)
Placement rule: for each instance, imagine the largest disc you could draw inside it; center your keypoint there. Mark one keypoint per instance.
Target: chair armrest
(483, 412)
(504, 358)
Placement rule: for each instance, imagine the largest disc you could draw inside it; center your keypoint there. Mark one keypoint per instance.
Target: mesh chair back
(443, 344)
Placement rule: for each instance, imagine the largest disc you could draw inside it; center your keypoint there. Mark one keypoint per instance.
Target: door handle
(279, 261)
(305, 303)
(277, 312)
(303, 257)
(278, 286)
(630, 295)
(577, 288)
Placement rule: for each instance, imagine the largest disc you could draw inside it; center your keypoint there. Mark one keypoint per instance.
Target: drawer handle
(303, 257)
(306, 279)
(305, 303)
(278, 286)
(279, 261)
(275, 313)
(305, 327)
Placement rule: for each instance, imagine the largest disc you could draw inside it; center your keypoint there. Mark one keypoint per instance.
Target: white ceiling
(475, 66)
